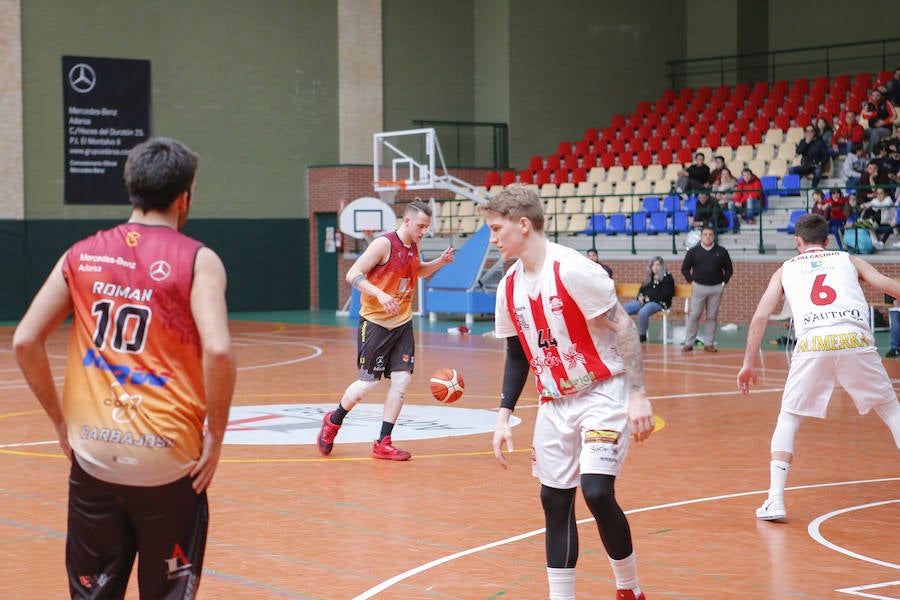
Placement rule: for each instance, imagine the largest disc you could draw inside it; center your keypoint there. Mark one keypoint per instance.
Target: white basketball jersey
(553, 315)
(830, 310)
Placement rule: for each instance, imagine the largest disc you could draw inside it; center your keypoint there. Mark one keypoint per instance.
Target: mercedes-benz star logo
(160, 270)
(82, 78)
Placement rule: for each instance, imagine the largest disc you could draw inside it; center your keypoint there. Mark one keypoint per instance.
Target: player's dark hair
(811, 228)
(417, 206)
(157, 171)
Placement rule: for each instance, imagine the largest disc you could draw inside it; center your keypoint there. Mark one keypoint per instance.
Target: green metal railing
(813, 61)
(471, 143)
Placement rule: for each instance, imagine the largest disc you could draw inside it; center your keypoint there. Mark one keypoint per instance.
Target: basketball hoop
(388, 188)
(387, 196)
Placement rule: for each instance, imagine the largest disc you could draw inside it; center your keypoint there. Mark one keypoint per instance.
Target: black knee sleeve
(562, 532)
(600, 496)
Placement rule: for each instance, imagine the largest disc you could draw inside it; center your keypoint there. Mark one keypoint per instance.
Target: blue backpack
(858, 241)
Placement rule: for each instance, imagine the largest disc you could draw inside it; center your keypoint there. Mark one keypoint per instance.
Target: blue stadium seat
(690, 204)
(638, 222)
(680, 222)
(792, 221)
(596, 224)
(615, 224)
(651, 204)
(790, 185)
(671, 203)
(769, 185)
(659, 223)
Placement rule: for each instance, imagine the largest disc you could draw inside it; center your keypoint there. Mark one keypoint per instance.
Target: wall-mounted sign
(106, 112)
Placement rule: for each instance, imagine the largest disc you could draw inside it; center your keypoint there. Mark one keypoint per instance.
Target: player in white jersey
(834, 345)
(560, 316)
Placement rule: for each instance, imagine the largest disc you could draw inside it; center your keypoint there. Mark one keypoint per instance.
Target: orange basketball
(447, 385)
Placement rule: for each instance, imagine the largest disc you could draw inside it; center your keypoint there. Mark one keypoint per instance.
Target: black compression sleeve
(515, 373)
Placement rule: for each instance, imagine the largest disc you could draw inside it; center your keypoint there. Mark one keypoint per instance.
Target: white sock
(778, 473)
(625, 572)
(562, 583)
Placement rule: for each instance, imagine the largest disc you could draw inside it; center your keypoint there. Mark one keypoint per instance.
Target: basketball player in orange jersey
(149, 359)
(386, 274)
(560, 316)
(834, 345)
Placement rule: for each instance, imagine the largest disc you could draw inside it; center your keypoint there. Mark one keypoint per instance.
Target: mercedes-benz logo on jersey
(160, 270)
(82, 78)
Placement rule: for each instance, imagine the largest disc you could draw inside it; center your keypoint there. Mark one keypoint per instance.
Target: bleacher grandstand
(619, 178)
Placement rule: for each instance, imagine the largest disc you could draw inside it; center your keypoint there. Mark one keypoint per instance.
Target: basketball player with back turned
(834, 346)
(149, 360)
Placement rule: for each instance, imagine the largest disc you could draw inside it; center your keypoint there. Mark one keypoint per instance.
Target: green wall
(252, 86)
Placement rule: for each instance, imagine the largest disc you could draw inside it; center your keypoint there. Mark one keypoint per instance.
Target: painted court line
(371, 592)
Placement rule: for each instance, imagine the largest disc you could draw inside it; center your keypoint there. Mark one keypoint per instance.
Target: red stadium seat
(536, 163)
(664, 130)
(609, 133)
(645, 158)
(680, 105)
(761, 122)
(654, 143)
(589, 161)
(685, 155)
(618, 121)
(790, 109)
(526, 176)
(561, 176)
(617, 145)
(634, 146)
(701, 127)
(693, 141)
(582, 147)
(491, 178)
(564, 148)
(780, 87)
(733, 139)
(607, 160)
(698, 104)
(570, 161)
(820, 83)
(803, 119)
(626, 133)
(543, 176)
(742, 90)
(800, 84)
(507, 178)
(729, 112)
(635, 120)
(782, 122)
(704, 93)
(625, 160)
(691, 116)
(712, 140)
(883, 77)
(711, 114)
(721, 127)
(683, 129)
(654, 119)
(644, 132)
(553, 162)
(862, 78)
(741, 125)
(579, 175)
(591, 134)
(755, 136)
(644, 108)
(674, 142)
(686, 94)
(661, 106)
(664, 157)
(670, 95)
(770, 110)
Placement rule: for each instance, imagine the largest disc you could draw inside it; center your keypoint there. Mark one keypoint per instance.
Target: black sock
(386, 429)
(339, 413)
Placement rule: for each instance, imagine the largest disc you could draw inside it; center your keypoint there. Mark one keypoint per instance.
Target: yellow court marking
(22, 414)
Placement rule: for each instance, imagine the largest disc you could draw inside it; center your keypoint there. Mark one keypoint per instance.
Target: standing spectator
(880, 115)
(708, 212)
(748, 197)
(848, 133)
(595, 387)
(837, 208)
(834, 346)
(893, 88)
(695, 176)
(386, 274)
(814, 155)
(655, 294)
(138, 487)
(707, 267)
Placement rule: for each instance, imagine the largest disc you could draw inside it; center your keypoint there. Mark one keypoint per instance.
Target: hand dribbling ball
(447, 385)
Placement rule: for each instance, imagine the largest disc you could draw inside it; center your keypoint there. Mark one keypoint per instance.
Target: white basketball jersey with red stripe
(553, 314)
(830, 310)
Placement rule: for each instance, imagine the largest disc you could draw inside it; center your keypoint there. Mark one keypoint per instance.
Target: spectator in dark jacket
(655, 295)
(814, 155)
(694, 176)
(708, 212)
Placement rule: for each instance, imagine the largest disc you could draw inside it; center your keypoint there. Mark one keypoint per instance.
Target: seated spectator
(814, 155)
(819, 206)
(724, 188)
(893, 88)
(592, 255)
(657, 290)
(748, 197)
(880, 115)
(871, 177)
(717, 171)
(854, 165)
(848, 132)
(695, 176)
(708, 212)
(826, 132)
(879, 212)
(837, 208)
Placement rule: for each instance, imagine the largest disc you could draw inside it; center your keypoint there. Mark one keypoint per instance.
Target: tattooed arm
(640, 413)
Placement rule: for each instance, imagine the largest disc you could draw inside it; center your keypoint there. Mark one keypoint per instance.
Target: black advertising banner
(106, 112)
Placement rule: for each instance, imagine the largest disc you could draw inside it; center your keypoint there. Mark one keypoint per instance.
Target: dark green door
(326, 228)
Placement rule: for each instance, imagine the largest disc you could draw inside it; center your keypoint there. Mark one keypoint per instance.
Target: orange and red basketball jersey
(397, 277)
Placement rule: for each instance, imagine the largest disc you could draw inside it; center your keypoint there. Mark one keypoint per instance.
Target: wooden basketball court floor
(450, 523)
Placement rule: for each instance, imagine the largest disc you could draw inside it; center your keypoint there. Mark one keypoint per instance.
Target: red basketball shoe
(629, 595)
(326, 435)
(384, 449)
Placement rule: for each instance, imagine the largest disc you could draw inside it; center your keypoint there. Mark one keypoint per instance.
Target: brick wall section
(327, 185)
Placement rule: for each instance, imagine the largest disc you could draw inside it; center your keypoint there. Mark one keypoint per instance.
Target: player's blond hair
(516, 201)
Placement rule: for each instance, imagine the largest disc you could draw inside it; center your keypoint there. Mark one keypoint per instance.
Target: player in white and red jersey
(149, 360)
(560, 316)
(834, 345)
(386, 274)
